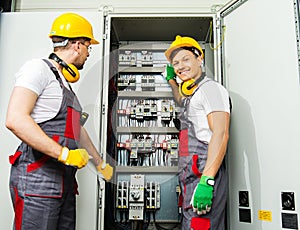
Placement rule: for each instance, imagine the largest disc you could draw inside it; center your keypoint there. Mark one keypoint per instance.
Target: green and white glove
(203, 195)
(169, 72)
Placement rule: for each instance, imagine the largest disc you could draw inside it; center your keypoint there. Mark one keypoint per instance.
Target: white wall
(15, 48)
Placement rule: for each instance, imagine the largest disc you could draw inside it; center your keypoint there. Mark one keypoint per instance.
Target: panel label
(265, 215)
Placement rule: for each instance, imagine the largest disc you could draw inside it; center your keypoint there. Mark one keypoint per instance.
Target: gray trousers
(215, 219)
(46, 213)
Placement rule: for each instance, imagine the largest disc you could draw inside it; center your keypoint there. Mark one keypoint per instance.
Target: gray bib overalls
(43, 189)
(192, 160)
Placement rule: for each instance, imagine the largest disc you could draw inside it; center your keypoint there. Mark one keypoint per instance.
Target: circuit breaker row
(148, 150)
(143, 113)
(130, 83)
(140, 58)
(136, 196)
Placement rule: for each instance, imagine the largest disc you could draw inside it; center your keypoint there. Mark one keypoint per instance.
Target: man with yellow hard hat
(203, 136)
(45, 114)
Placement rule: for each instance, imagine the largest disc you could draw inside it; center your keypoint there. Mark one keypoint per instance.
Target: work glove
(106, 170)
(169, 72)
(76, 157)
(203, 195)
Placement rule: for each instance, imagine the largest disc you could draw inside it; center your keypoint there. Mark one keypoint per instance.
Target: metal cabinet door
(260, 69)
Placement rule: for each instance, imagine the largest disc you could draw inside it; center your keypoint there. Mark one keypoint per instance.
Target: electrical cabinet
(146, 156)
(143, 121)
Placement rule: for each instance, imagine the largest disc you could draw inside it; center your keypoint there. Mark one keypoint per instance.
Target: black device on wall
(5, 6)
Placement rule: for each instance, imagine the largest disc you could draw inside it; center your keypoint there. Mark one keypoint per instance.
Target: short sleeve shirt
(210, 96)
(36, 76)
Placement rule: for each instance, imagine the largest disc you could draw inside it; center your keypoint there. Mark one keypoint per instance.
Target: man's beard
(79, 67)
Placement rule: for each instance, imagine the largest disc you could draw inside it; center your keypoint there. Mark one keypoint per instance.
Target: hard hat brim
(94, 41)
(169, 51)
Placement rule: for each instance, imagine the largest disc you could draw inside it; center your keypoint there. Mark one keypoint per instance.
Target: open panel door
(24, 36)
(260, 69)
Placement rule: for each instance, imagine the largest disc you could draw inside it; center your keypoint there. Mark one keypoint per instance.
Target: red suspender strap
(184, 142)
(195, 166)
(73, 124)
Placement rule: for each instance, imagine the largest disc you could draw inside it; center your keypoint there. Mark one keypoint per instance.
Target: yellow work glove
(106, 170)
(76, 157)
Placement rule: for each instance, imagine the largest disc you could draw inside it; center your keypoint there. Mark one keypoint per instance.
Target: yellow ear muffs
(187, 88)
(69, 71)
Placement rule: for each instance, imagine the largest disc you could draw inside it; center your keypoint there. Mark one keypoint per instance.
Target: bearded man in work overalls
(46, 115)
(203, 136)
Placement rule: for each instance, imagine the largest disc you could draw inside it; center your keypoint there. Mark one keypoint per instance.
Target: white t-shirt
(37, 76)
(210, 97)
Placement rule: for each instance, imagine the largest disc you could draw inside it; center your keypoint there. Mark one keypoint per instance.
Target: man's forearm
(216, 153)
(219, 125)
(86, 143)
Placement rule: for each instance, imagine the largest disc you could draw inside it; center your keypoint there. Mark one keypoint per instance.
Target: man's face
(83, 53)
(186, 65)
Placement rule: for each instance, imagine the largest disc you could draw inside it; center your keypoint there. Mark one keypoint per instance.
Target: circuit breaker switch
(148, 83)
(166, 115)
(135, 195)
(136, 199)
(122, 199)
(152, 195)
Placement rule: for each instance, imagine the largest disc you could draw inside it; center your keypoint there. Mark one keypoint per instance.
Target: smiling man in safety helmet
(204, 133)
(45, 114)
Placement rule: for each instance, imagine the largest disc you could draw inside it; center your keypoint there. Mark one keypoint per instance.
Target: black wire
(148, 218)
(126, 217)
(122, 226)
(159, 227)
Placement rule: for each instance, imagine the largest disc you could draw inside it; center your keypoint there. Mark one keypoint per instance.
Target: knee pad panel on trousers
(198, 223)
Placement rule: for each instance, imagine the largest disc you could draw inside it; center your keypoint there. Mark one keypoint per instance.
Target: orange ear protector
(69, 71)
(188, 87)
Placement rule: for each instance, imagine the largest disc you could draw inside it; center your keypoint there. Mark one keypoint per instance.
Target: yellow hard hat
(71, 25)
(182, 42)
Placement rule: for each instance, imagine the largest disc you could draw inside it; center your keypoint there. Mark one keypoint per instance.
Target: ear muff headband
(69, 71)
(188, 87)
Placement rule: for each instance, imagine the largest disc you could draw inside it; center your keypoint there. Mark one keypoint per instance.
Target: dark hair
(195, 51)
(81, 39)
(56, 39)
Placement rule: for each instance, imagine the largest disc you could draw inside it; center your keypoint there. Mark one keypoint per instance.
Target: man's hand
(106, 170)
(77, 157)
(203, 195)
(169, 72)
